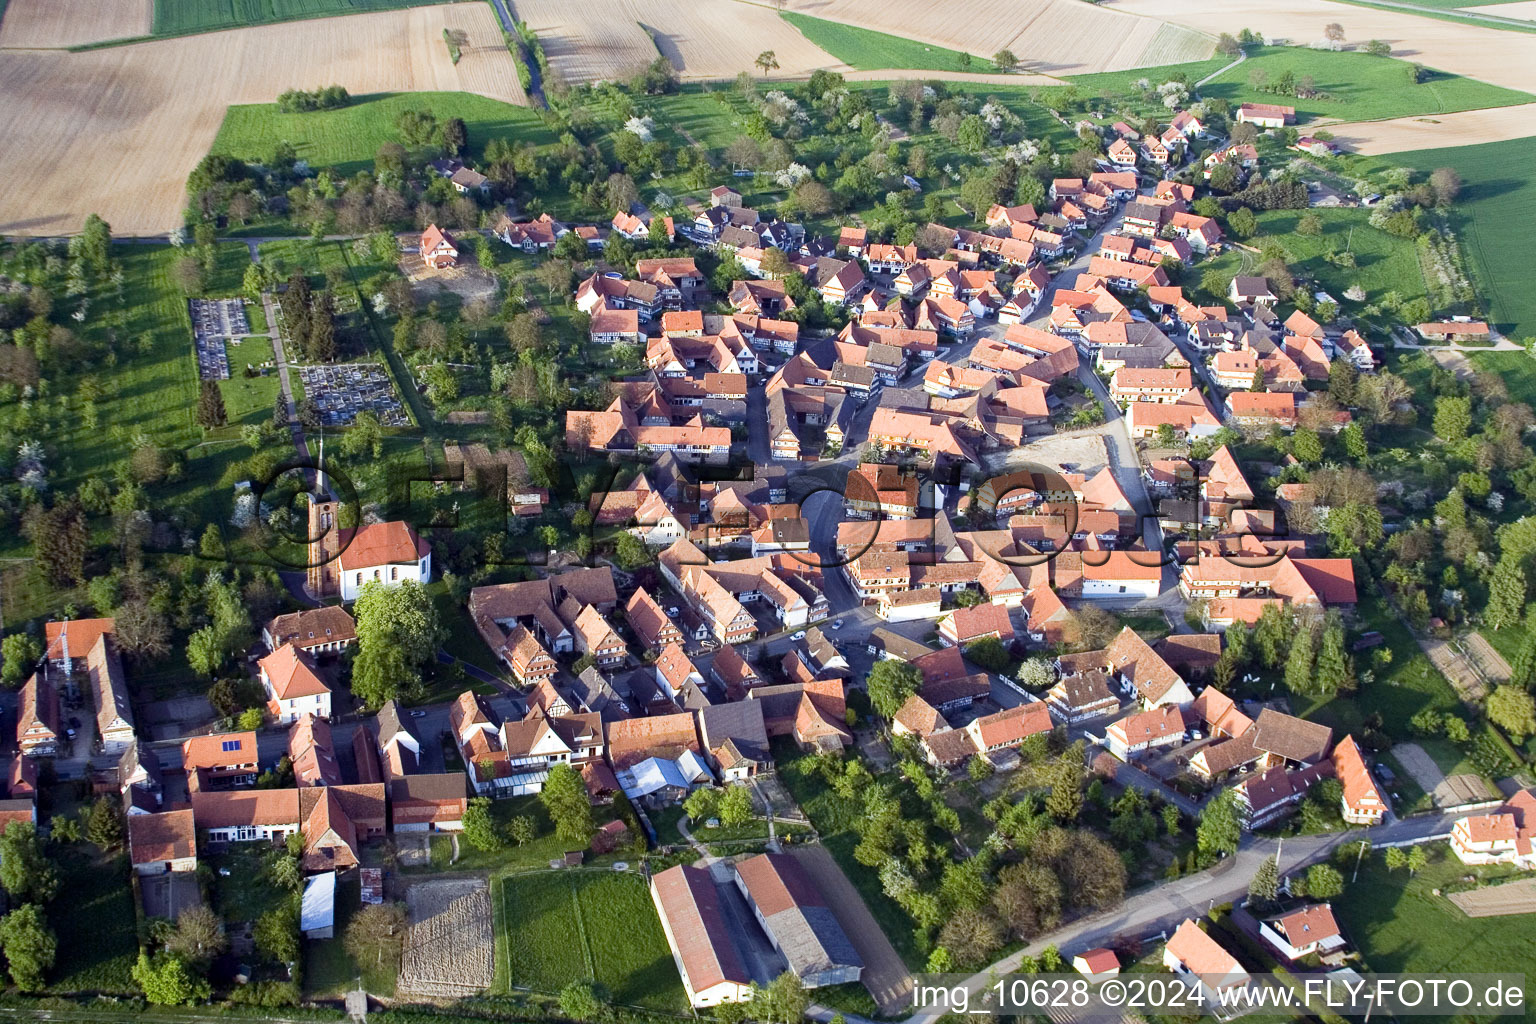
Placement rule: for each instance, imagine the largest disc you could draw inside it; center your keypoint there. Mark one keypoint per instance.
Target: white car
(838, 624)
(797, 636)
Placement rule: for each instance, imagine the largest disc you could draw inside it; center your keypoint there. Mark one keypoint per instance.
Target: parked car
(798, 636)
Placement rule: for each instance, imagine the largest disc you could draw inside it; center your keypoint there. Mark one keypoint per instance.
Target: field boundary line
(581, 930)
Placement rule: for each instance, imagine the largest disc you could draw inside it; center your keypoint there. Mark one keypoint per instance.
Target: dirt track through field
(1053, 37)
(884, 975)
(60, 23)
(116, 131)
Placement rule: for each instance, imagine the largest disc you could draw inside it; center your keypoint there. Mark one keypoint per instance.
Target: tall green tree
(479, 827)
(564, 796)
(1335, 670)
(1453, 417)
(25, 870)
(210, 405)
(1220, 829)
(398, 633)
(1264, 886)
(19, 655)
(890, 683)
(1510, 708)
(29, 946)
(736, 806)
(1298, 664)
(1506, 593)
(167, 980)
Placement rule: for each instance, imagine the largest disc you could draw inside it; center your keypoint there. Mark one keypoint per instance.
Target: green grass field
(347, 139)
(868, 50)
(1105, 83)
(1401, 926)
(180, 17)
(554, 928)
(94, 919)
(249, 399)
(1357, 86)
(150, 387)
(1383, 262)
(1497, 202)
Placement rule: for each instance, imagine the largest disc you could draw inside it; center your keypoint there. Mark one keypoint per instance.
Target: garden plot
(341, 392)
(1498, 900)
(449, 950)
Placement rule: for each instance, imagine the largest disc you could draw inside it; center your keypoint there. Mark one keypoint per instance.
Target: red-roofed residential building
(1010, 727)
(70, 641)
(294, 687)
(1300, 932)
(967, 625)
(1506, 835)
(1194, 954)
(1147, 730)
(1363, 802)
(438, 249)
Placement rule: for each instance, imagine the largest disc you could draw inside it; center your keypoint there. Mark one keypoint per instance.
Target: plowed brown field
(704, 39)
(61, 23)
(117, 131)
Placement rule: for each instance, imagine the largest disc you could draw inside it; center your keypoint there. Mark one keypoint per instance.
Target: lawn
(250, 399)
(868, 50)
(347, 139)
(93, 916)
(328, 971)
(534, 855)
(245, 893)
(1383, 262)
(1406, 686)
(1401, 926)
(1355, 86)
(1110, 83)
(617, 938)
(1497, 202)
(182, 17)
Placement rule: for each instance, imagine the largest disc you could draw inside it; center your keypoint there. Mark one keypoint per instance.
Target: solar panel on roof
(231, 744)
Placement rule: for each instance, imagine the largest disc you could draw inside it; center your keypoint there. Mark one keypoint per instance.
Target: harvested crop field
(1435, 131)
(1485, 53)
(586, 43)
(704, 39)
(1055, 37)
(48, 23)
(1498, 900)
(449, 950)
(131, 122)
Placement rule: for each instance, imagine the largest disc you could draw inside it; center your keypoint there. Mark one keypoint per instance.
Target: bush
(298, 101)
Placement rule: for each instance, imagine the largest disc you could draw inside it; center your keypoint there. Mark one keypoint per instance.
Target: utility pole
(1358, 860)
